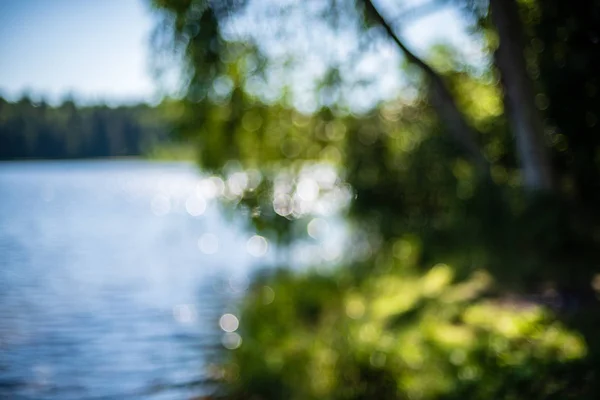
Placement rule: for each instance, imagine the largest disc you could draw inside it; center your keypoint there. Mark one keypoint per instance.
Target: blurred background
(329, 199)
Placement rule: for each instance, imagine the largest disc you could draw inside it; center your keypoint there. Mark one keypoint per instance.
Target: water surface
(110, 274)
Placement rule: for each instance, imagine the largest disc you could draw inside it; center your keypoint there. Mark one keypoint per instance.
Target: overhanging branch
(441, 98)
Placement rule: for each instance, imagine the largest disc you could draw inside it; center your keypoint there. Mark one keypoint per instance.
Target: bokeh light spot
(184, 313)
(257, 246)
(195, 206)
(208, 243)
(317, 228)
(229, 323)
(268, 295)
(308, 189)
(231, 340)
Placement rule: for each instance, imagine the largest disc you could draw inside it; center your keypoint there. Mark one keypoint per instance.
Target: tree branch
(441, 97)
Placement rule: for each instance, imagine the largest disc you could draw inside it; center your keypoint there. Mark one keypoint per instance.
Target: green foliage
(457, 283)
(397, 335)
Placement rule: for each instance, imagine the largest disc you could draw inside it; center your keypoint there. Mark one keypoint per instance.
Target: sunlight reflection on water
(106, 290)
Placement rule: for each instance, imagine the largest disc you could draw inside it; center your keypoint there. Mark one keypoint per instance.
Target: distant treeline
(30, 129)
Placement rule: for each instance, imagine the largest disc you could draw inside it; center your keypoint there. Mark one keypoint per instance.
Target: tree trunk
(519, 102)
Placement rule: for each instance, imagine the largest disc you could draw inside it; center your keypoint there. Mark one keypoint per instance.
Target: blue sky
(99, 50)
(96, 49)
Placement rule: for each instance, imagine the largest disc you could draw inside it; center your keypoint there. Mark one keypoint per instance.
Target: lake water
(112, 277)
